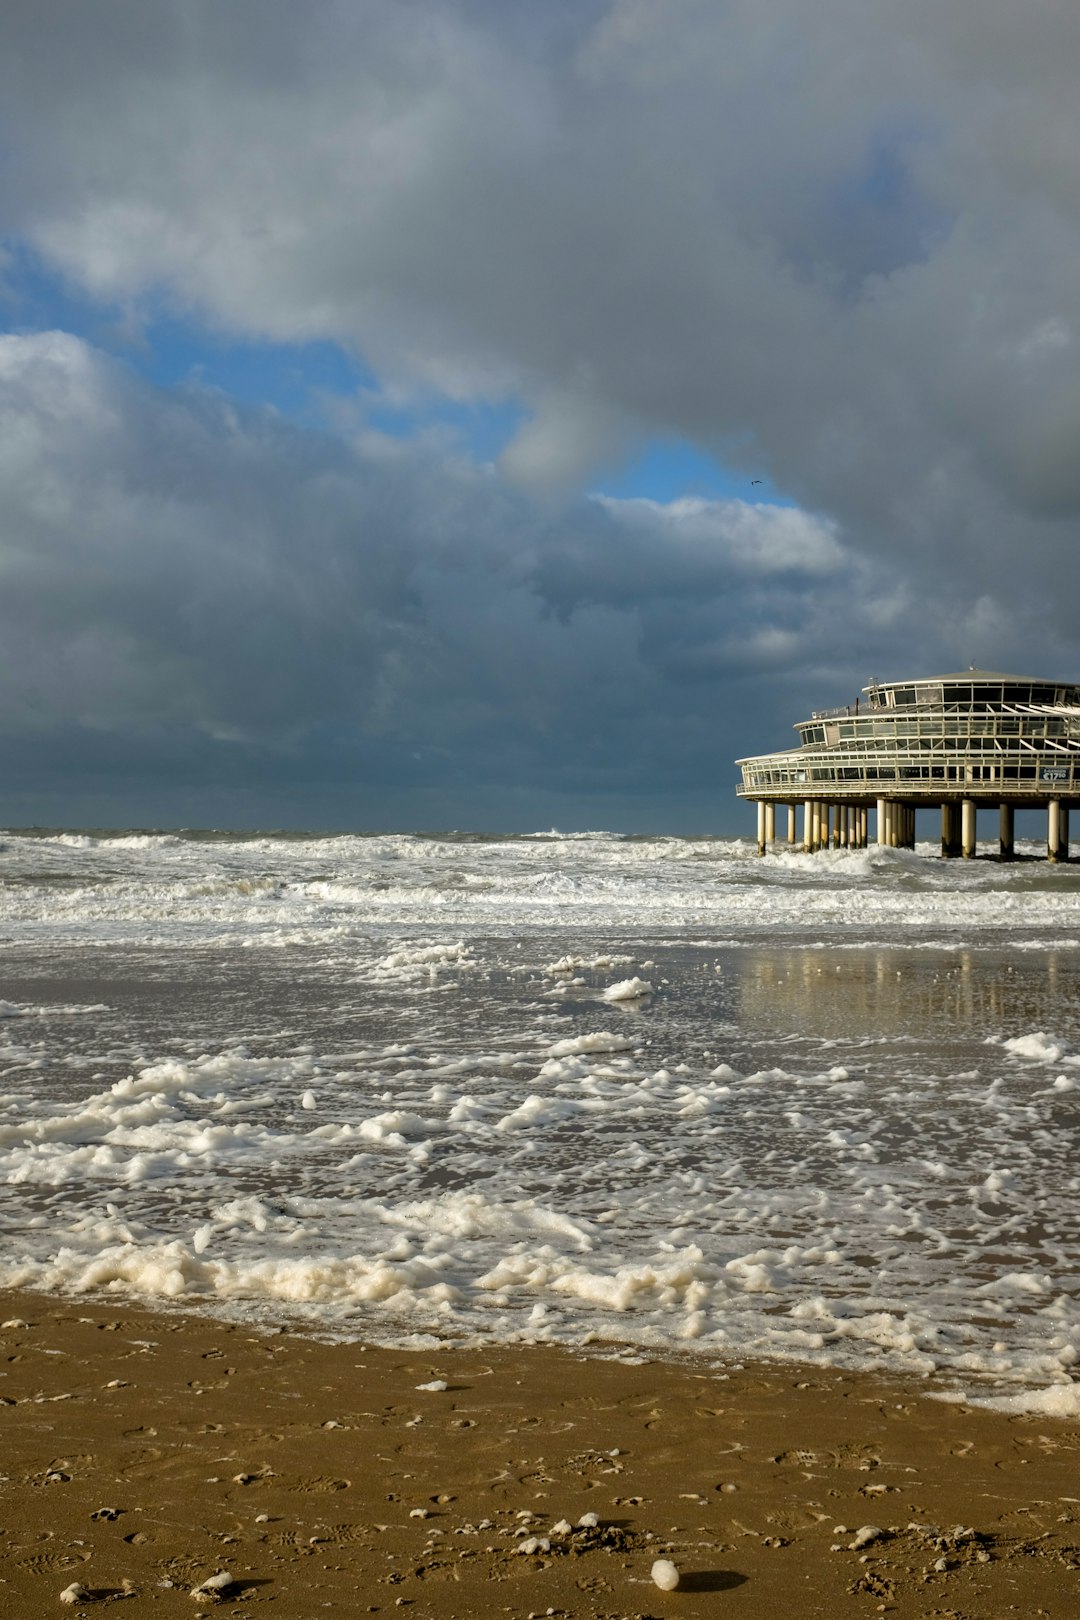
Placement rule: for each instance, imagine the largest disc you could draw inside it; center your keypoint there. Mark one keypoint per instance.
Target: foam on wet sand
(239, 1467)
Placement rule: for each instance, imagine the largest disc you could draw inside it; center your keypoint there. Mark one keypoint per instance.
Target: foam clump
(534, 1544)
(865, 1535)
(1059, 1400)
(436, 1385)
(569, 963)
(602, 1041)
(628, 990)
(211, 1590)
(1040, 1047)
(665, 1575)
(75, 1593)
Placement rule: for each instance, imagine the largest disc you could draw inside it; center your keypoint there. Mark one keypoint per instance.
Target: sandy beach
(145, 1452)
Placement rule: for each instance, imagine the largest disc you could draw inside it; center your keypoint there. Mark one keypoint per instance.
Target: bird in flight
(755, 481)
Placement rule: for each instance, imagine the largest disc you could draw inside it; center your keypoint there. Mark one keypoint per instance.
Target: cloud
(833, 245)
(829, 241)
(185, 582)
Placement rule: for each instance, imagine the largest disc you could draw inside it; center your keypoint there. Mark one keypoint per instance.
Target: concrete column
(1006, 837)
(890, 823)
(770, 823)
(791, 823)
(1063, 829)
(864, 826)
(950, 831)
(1053, 830)
(838, 826)
(882, 836)
(808, 826)
(817, 825)
(967, 828)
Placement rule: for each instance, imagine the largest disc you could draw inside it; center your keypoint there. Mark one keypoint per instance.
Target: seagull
(755, 481)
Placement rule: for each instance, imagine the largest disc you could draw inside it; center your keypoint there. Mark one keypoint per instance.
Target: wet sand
(143, 1452)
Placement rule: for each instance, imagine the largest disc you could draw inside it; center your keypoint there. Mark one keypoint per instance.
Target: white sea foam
(829, 1134)
(628, 990)
(1059, 1400)
(167, 889)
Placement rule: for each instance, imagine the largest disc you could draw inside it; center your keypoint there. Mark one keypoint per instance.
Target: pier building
(958, 743)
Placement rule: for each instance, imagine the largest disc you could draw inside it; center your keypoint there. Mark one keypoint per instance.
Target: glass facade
(998, 738)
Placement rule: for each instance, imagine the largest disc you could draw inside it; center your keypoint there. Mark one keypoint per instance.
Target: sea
(657, 1096)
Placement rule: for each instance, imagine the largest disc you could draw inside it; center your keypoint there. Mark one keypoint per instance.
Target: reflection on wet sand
(878, 992)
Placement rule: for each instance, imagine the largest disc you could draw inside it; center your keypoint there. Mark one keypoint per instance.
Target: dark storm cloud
(179, 575)
(834, 244)
(842, 235)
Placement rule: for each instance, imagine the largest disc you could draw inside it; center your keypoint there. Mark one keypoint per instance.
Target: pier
(955, 743)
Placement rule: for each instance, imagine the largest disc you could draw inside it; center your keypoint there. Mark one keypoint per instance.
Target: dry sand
(143, 1452)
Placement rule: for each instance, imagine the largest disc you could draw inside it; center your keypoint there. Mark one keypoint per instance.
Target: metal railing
(1035, 776)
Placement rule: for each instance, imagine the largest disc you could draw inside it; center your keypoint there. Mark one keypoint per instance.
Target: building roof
(973, 675)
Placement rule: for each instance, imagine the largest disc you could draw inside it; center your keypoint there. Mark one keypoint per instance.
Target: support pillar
(808, 827)
(838, 826)
(864, 826)
(791, 823)
(770, 824)
(1057, 831)
(950, 831)
(881, 819)
(761, 826)
(1006, 835)
(967, 829)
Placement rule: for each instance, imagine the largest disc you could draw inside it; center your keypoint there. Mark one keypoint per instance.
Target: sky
(503, 414)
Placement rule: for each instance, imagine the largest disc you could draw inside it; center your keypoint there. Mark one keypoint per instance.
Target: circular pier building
(958, 743)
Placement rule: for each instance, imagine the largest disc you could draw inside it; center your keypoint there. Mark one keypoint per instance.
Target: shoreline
(145, 1451)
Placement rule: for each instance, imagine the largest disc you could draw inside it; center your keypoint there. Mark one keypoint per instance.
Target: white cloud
(735, 535)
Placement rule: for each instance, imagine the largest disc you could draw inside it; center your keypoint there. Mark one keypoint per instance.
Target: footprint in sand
(855, 1457)
(334, 1535)
(50, 1563)
(321, 1482)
